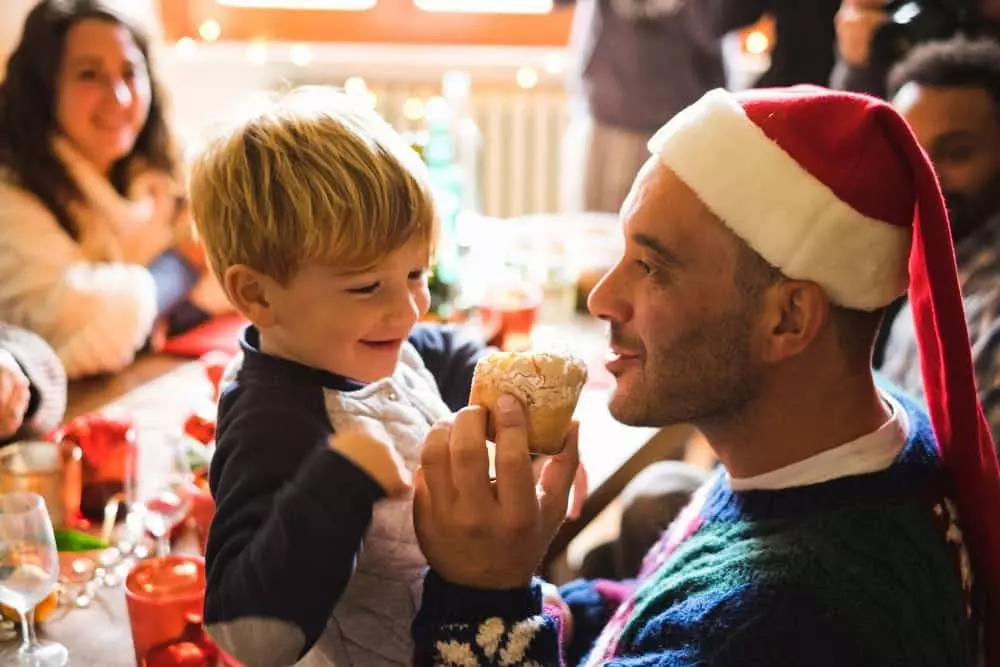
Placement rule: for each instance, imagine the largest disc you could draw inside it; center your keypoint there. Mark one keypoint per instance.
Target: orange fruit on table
(43, 609)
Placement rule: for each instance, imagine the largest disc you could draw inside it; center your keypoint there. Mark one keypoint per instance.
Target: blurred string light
(300, 55)
(756, 43)
(527, 77)
(357, 88)
(210, 30)
(555, 63)
(257, 52)
(186, 48)
(413, 109)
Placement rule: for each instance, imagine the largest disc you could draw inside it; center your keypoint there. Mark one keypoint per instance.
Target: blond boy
(318, 220)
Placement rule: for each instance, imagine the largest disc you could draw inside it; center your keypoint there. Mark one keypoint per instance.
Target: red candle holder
(108, 462)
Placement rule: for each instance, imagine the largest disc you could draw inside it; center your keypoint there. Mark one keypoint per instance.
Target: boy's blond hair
(311, 176)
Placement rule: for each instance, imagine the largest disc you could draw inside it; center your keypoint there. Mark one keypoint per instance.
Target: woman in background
(96, 249)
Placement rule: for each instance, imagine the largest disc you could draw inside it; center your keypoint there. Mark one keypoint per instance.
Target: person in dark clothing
(856, 24)
(637, 63)
(803, 50)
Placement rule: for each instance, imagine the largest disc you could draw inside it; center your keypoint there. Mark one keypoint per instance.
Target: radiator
(522, 131)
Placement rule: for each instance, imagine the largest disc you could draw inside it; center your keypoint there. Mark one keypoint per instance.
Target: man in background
(949, 92)
(804, 36)
(862, 66)
(637, 63)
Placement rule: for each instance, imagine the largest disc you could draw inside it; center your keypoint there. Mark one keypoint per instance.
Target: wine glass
(29, 568)
(166, 503)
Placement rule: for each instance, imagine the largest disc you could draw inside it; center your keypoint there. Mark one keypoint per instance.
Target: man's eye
(644, 267)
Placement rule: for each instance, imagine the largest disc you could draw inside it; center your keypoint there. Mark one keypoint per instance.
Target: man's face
(681, 329)
(959, 127)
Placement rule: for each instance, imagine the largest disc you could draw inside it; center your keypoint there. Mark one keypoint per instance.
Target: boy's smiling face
(351, 324)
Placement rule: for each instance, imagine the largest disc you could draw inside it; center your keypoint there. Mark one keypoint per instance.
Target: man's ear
(795, 313)
(251, 293)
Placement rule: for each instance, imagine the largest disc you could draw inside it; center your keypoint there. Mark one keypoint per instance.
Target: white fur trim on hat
(783, 212)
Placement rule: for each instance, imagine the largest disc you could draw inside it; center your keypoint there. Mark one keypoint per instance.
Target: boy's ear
(251, 293)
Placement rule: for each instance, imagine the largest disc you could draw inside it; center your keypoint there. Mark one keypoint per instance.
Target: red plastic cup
(165, 598)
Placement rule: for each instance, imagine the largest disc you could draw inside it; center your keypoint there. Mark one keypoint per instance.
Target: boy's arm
(450, 354)
(290, 518)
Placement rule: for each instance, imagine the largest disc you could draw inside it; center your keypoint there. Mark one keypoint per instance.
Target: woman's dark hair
(28, 108)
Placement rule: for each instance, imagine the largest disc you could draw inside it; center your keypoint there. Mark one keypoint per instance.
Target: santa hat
(833, 188)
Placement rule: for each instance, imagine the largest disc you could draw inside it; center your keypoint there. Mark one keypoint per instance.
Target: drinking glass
(29, 568)
(166, 502)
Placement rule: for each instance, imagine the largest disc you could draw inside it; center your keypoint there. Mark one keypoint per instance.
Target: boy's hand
(371, 451)
(15, 394)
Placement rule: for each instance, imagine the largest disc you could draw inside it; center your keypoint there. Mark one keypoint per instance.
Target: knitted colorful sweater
(862, 570)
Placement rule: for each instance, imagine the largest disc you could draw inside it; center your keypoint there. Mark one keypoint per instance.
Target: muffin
(547, 384)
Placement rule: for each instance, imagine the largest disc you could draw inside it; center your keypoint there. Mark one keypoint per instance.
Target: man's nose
(604, 301)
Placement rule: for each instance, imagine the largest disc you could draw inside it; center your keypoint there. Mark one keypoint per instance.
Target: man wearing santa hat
(847, 527)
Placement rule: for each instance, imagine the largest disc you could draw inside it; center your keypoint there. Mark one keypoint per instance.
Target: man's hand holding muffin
(493, 534)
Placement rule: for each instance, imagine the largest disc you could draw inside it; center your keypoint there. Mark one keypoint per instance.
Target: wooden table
(94, 393)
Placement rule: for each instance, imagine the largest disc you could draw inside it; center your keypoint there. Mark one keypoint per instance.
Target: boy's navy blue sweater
(291, 513)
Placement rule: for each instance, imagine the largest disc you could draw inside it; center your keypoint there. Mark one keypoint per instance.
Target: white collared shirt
(870, 453)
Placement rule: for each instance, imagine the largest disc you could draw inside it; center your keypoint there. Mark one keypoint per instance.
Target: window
(486, 6)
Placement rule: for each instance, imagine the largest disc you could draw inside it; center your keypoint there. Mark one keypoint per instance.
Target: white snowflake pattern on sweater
(496, 642)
